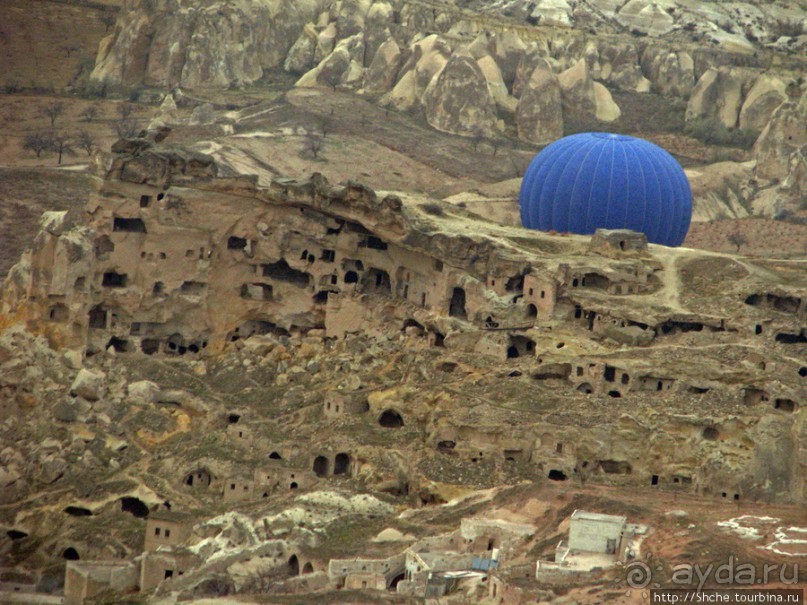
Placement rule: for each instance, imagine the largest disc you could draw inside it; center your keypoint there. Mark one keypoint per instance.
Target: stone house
(157, 567)
(167, 529)
(85, 579)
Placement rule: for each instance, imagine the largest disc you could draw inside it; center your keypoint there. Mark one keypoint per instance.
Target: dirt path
(672, 282)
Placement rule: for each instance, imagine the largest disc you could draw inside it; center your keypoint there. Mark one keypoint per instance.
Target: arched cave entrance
(341, 464)
(321, 466)
(393, 585)
(390, 419)
(70, 554)
(134, 506)
(456, 308)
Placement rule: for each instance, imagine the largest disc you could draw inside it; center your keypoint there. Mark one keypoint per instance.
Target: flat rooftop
(599, 517)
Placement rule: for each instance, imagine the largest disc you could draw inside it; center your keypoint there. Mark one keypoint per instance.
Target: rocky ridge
(192, 332)
(379, 48)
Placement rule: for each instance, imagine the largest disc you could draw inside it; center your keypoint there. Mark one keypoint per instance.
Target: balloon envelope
(596, 180)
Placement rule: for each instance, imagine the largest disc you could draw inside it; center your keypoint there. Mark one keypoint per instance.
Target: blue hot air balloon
(596, 180)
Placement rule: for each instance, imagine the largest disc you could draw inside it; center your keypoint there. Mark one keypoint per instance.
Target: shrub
(712, 131)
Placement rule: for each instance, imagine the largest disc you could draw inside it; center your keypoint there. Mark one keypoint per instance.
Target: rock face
(539, 117)
(582, 94)
(785, 134)
(496, 86)
(383, 71)
(617, 64)
(767, 93)
(426, 59)
(88, 384)
(507, 49)
(353, 318)
(167, 113)
(342, 66)
(164, 43)
(301, 55)
(720, 190)
(458, 99)
(672, 72)
(719, 95)
(647, 17)
(353, 263)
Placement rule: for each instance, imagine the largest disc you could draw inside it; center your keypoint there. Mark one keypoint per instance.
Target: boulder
(301, 55)
(427, 57)
(353, 75)
(203, 114)
(539, 115)
(350, 17)
(55, 222)
(65, 411)
(480, 46)
(785, 133)
(580, 94)
(671, 72)
(616, 63)
(72, 359)
(507, 49)
(458, 100)
(719, 95)
(333, 69)
(718, 190)
(383, 70)
(143, 392)
(404, 95)
(376, 29)
(577, 89)
(496, 85)
(326, 42)
(606, 109)
(51, 469)
(88, 384)
(167, 113)
(536, 55)
(767, 93)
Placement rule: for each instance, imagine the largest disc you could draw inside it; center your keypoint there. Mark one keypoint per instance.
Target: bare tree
(313, 144)
(61, 144)
(125, 111)
(324, 125)
(85, 141)
(737, 239)
(37, 142)
(125, 126)
(89, 114)
(52, 111)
